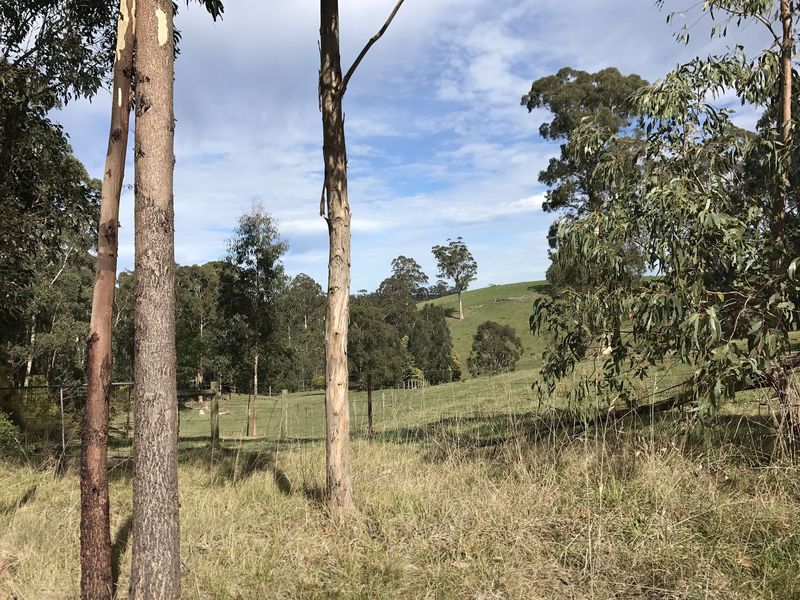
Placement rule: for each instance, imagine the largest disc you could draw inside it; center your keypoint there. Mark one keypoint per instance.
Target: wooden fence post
(284, 413)
(254, 427)
(369, 408)
(216, 389)
(249, 397)
(128, 418)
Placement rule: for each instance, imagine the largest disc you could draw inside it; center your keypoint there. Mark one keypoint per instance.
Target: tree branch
(366, 48)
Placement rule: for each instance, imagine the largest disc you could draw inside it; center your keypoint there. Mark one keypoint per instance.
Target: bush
(495, 348)
(9, 433)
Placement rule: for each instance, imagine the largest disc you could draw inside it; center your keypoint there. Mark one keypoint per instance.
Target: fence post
(383, 411)
(215, 388)
(128, 418)
(284, 413)
(369, 408)
(249, 396)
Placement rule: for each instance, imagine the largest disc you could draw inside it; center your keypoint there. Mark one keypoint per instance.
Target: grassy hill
(508, 304)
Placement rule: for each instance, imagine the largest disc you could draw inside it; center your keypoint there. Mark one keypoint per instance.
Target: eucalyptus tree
(302, 311)
(251, 282)
(197, 322)
(456, 263)
(96, 575)
(496, 349)
(154, 198)
(335, 201)
(50, 54)
(155, 562)
(571, 95)
(712, 200)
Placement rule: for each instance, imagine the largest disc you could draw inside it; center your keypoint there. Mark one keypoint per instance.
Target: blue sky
(438, 143)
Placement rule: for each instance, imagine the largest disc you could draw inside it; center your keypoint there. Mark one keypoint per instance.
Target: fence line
(49, 416)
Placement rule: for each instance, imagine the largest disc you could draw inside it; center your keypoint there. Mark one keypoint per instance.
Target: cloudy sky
(438, 143)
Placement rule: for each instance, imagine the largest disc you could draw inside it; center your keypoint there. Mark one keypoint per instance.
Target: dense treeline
(229, 311)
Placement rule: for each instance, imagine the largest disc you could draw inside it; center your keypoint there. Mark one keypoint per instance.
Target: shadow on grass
(12, 507)
(234, 464)
(118, 549)
(751, 440)
(541, 288)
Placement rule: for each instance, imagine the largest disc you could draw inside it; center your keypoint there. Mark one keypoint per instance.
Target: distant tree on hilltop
(457, 263)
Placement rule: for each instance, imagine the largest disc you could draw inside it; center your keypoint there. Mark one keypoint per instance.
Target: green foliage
(197, 322)
(122, 336)
(302, 315)
(574, 186)
(250, 286)
(9, 433)
(35, 412)
(698, 198)
(373, 347)
(431, 345)
(456, 263)
(54, 313)
(409, 272)
(572, 96)
(495, 349)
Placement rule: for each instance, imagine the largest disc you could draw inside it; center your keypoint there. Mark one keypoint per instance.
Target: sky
(438, 143)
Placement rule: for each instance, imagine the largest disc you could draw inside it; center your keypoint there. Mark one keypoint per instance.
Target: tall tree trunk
(96, 578)
(337, 415)
(29, 361)
(460, 308)
(778, 216)
(777, 222)
(155, 563)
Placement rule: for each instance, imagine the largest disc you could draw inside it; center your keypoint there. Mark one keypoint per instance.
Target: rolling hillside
(508, 304)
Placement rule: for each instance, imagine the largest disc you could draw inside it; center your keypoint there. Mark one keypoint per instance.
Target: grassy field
(508, 305)
(301, 416)
(631, 513)
(469, 490)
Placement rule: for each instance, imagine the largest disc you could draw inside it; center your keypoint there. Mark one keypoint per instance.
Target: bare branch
(366, 48)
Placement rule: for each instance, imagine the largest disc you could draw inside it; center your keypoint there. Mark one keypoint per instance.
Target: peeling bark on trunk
(29, 361)
(96, 573)
(337, 416)
(155, 563)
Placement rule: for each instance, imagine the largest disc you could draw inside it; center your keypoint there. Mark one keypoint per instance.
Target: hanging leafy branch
(697, 199)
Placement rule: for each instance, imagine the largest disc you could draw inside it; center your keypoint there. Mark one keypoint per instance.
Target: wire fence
(47, 418)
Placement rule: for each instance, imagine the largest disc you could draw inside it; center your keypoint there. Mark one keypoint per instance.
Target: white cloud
(439, 144)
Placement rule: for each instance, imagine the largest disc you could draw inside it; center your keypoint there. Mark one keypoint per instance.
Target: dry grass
(631, 515)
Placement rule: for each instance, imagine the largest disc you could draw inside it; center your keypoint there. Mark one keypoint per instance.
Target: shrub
(9, 433)
(495, 348)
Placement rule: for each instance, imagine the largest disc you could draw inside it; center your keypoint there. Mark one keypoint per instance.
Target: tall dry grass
(664, 511)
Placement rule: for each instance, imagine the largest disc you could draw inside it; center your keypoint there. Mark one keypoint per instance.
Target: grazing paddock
(456, 499)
